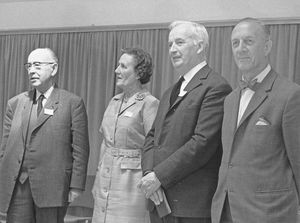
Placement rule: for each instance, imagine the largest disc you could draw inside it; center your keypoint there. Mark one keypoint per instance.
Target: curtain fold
(87, 61)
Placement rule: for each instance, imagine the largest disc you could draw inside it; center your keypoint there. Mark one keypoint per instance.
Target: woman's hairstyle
(143, 63)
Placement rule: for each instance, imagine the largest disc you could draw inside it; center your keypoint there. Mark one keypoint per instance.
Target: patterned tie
(253, 84)
(40, 104)
(176, 90)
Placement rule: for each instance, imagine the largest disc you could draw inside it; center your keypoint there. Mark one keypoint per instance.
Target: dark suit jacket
(260, 168)
(183, 147)
(57, 149)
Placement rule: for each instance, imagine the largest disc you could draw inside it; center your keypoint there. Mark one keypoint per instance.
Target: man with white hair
(182, 151)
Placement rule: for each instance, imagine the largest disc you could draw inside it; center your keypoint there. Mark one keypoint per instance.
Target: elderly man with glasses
(44, 150)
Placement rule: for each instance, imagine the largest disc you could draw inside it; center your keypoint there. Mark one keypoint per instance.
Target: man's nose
(117, 70)
(172, 47)
(242, 46)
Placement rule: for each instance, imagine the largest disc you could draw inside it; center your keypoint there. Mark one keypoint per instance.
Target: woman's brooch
(140, 96)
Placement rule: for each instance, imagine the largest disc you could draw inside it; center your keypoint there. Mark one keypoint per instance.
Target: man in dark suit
(182, 151)
(259, 179)
(44, 150)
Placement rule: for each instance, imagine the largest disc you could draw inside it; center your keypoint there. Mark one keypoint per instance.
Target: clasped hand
(73, 194)
(150, 185)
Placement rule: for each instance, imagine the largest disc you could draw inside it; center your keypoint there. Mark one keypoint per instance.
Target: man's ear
(200, 45)
(55, 68)
(268, 47)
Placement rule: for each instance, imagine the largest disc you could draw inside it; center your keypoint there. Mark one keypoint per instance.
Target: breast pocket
(266, 138)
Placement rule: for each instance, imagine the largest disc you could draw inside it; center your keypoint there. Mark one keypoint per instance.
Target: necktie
(176, 90)
(40, 104)
(253, 84)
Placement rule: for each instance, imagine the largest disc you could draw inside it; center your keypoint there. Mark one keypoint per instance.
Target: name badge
(48, 111)
(128, 114)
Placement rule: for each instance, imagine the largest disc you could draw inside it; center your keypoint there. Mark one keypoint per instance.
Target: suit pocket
(271, 196)
(268, 200)
(276, 191)
(265, 139)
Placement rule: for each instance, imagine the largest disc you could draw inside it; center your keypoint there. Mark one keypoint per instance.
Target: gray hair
(261, 24)
(199, 31)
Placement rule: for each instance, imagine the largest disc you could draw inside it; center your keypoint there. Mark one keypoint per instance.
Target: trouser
(22, 208)
(154, 217)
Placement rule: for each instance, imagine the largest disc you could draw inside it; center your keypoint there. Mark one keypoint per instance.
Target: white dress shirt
(189, 75)
(46, 95)
(247, 93)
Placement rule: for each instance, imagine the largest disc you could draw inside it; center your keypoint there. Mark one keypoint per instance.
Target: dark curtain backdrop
(87, 60)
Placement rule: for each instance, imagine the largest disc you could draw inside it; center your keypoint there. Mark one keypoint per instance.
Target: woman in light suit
(127, 120)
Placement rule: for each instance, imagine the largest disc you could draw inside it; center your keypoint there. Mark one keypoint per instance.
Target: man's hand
(73, 194)
(149, 184)
(157, 196)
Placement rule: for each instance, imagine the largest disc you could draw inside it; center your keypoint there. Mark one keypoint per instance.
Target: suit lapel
(27, 107)
(50, 106)
(168, 109)
(260, 95)
(230, 119)
(233, 105)
(194, 82)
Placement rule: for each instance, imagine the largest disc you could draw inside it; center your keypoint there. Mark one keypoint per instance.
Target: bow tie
(253, 84)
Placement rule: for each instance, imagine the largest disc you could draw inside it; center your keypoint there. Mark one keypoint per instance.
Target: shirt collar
(46, 94)
(260, 77)
(191, 73)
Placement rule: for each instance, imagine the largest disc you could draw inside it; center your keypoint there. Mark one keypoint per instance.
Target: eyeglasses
(37, 65)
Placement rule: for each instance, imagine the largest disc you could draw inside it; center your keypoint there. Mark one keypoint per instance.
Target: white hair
(199, 31)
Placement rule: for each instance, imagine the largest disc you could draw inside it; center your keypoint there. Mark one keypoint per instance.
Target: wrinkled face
(126, 75)
(250, 48)
(183, 49)
(41, 69)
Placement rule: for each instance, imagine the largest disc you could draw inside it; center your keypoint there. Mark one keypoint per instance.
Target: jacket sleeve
(9, 114)
(147, 151)
(150, 121)
(80, 145)
(291, 134)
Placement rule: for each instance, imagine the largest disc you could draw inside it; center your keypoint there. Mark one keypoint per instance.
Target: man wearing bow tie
(259, 179)
(182, 151)
(44, 149)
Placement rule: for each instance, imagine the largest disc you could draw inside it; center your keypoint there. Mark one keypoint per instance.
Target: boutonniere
(140, 96)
